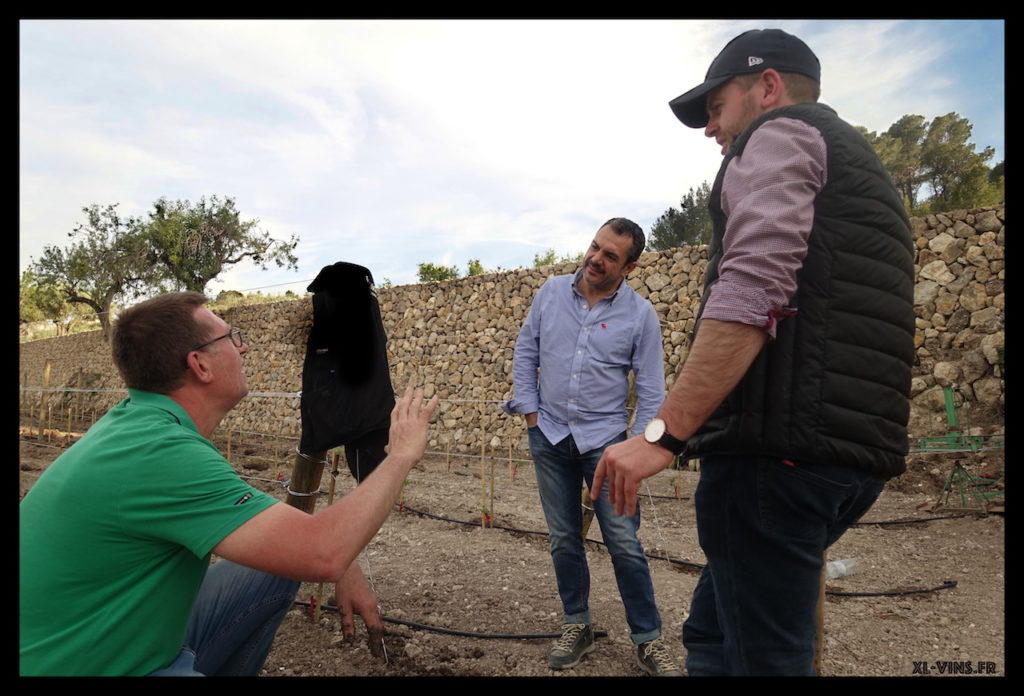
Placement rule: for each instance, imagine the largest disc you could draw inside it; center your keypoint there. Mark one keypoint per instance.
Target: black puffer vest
(833, 387)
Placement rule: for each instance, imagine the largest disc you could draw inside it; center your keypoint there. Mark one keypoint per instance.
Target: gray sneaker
(577, 640)
(655, 660)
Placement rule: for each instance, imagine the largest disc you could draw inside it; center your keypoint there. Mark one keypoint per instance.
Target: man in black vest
(795, 393)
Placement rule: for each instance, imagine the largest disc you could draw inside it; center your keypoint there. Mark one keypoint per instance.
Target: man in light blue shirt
(584, 334)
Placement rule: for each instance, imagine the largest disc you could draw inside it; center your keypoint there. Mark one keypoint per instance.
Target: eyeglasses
(234, 334)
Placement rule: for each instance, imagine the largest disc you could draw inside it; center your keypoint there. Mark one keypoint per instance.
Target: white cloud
(393, 142)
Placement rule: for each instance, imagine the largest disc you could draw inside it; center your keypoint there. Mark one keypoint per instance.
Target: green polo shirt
(116, 537)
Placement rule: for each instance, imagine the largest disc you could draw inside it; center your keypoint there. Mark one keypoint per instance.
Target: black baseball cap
(751, 52)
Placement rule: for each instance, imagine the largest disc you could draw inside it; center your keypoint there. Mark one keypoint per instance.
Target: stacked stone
(672, 281)
(76, 361)
(457, 338)
(959, 301)
(276, 333)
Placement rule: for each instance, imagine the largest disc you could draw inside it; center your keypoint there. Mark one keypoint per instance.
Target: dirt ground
(460, 600)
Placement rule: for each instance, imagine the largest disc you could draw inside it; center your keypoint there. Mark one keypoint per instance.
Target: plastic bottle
(837, 569)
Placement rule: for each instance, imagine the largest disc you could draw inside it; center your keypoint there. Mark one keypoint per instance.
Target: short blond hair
(800, 88)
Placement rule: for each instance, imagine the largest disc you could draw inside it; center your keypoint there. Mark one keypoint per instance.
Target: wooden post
(588, 510)
(330, 499)
(305, 481)
(490, 506)
(228, 457)
(78, 395)
(483, 488)
(334, 477)
(49, 421)
(42, 397)
(69, 422)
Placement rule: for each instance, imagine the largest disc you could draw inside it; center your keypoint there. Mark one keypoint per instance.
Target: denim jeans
(233, 623)
(561, 471)
(764, 525)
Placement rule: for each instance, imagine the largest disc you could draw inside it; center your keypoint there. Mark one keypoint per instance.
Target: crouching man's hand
(354, 596)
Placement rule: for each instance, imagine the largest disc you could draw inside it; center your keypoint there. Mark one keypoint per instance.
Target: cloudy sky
(390, 143)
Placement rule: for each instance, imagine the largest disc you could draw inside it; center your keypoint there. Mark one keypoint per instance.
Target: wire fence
(71, 412)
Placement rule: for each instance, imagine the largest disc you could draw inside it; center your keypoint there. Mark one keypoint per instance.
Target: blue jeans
(764, 525)
(561, 471)
(233, 623)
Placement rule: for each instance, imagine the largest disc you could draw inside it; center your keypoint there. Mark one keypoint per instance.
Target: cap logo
(754, 60)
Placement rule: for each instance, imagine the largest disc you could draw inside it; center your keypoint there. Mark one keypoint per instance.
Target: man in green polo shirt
(116, 536)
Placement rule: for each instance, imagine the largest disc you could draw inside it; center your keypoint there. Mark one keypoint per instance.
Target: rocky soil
(460, 600)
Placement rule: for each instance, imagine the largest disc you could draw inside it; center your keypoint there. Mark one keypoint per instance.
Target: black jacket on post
(833, 387)
(347, 395)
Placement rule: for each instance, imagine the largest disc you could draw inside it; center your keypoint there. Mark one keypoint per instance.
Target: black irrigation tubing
(948, 584)
(421, 513)
(455, 632)
(529, 531)
(914, 521)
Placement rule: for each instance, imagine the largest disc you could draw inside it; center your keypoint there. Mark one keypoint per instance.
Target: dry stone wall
(456, 338)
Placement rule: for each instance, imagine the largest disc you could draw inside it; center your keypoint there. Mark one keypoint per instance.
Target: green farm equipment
(954, 440)
(965, 492)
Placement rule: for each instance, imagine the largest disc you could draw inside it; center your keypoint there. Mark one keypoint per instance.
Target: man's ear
(197, 365)
(774, 89)
(628, 268)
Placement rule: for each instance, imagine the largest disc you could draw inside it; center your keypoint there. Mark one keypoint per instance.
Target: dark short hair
(624, 226)
(152, 339)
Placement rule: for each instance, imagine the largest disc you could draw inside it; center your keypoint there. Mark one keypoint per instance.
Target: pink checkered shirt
(768, 197)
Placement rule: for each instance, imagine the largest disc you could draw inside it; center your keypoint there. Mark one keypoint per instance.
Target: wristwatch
(655, 434)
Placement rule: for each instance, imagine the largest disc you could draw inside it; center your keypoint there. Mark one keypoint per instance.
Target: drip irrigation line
(534, 532)
(421, 513)
(887, 593)
(456, 632)
(914, 521)
(947, 585)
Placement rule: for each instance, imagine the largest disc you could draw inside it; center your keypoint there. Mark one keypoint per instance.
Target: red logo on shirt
(603, 326)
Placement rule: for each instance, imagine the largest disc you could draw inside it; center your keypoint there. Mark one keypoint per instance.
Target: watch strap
(672, 444)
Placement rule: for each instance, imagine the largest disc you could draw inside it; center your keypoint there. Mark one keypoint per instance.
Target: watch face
(655, 429)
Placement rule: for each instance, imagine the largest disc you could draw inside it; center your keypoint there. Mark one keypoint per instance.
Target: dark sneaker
(655, 660)
(577, 640)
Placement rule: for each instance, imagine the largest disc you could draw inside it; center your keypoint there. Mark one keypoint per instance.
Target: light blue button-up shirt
(584, 356)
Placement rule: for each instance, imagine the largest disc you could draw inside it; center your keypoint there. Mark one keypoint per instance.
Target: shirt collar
(164, 403)
(611, 298)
